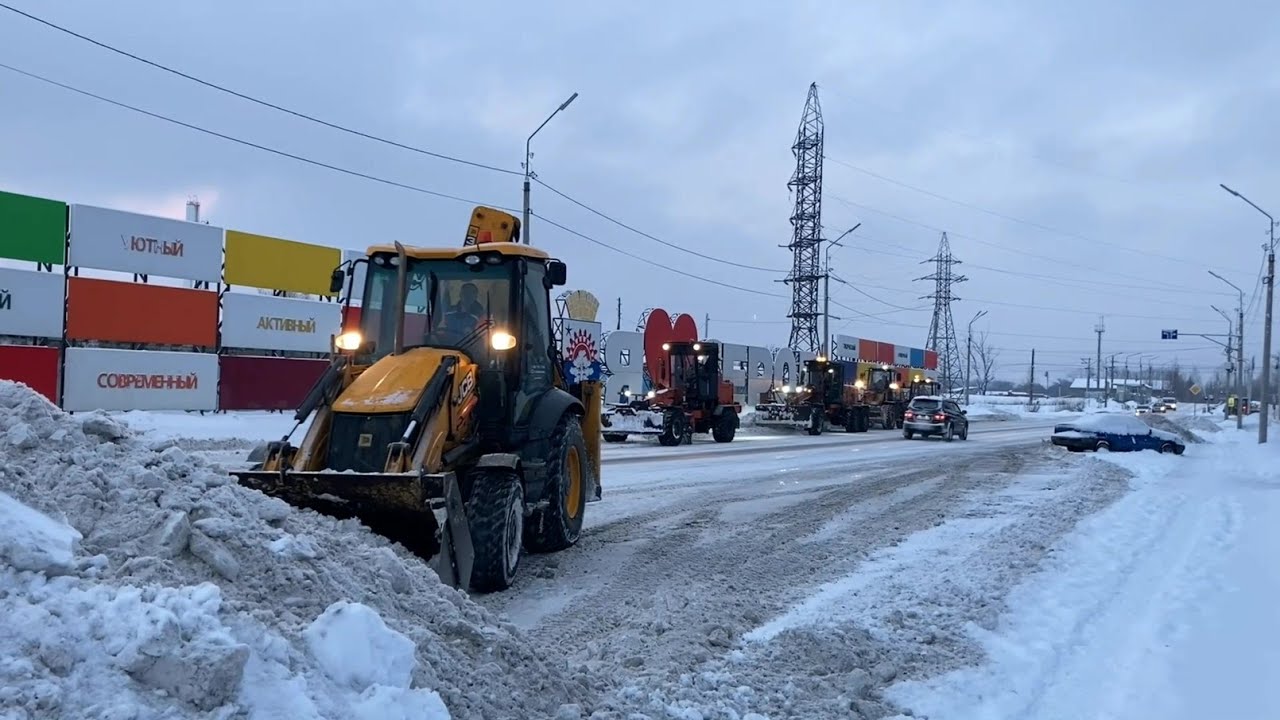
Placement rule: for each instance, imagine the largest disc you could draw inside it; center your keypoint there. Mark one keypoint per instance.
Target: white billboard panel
(357, 283)
(845, 347)
(130, 242)
(263, 322)
(110, 379)
(31, 303)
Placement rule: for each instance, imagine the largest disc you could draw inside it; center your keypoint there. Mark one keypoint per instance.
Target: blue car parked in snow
(1117, 433)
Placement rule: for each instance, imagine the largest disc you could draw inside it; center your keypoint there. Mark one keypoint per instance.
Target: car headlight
(502, 340)
(349, 340)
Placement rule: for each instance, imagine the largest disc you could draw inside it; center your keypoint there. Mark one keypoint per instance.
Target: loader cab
(694, 370)
(489, 302)
(882, 382)
(825, 380)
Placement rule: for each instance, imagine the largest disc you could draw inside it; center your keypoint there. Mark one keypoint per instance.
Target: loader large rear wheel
(558, 524)
(496, 516)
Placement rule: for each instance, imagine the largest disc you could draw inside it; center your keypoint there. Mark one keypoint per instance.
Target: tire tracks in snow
(658, 604)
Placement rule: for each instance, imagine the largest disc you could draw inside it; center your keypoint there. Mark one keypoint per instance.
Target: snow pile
(1179, 427)
(137, 582)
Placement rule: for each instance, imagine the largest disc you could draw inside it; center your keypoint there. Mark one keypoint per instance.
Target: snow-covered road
(779, 576)
(697, 578)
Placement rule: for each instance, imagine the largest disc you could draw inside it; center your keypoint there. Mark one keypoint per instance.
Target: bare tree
(985, 353)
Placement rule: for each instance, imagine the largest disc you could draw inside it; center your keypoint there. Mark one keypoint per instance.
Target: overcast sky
(1072, 151)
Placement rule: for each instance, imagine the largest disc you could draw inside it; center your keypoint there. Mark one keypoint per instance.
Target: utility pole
(706, 326)
(1239, 350)
(1100, 328)
(825, 347)
(1270, 281)
(619, 325)
(1031, 386)
(968, 362)
(528, 174)
(1112, 383)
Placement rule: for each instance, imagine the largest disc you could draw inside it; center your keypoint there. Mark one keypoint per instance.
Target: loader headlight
(349, 340)
(652, 395)
(786, 389)
(697, 347)
(893, 386)
(859, 384)
(666, 346)
(501, 340)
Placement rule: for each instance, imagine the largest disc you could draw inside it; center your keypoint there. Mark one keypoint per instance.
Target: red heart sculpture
(659, 329)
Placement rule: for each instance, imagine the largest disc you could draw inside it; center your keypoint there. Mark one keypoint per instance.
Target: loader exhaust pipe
(402, 272)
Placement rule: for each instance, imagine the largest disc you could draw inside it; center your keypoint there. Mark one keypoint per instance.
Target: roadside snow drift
(137, 582)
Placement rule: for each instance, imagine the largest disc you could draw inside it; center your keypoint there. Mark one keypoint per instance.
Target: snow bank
(137, 582)
(1153, 607)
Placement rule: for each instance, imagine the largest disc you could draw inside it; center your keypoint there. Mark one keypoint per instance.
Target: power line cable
(367, 176)
(644, 234)
(247, 143)
(1011, 218)
(590, 239)
(259, 101)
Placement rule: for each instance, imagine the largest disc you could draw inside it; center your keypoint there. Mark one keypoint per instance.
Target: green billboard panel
(32, 228)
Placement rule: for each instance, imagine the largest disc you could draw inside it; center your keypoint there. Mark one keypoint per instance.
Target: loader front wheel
(725, 428)
(496, 516)
(558, 524)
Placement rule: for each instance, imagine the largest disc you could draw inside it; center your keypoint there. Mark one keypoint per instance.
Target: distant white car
(1142, 410)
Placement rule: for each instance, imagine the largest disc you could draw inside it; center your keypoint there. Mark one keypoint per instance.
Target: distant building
(1120, 389)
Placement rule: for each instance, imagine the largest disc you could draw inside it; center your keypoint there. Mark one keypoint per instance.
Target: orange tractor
(692, 397)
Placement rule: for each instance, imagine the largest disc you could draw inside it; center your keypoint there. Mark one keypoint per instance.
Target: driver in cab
(467, 315)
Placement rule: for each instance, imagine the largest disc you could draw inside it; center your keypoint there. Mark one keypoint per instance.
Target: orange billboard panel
(274, 264)
(139, 313)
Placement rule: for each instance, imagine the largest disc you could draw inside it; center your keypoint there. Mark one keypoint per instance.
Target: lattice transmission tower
(806, 223)
(942, 329)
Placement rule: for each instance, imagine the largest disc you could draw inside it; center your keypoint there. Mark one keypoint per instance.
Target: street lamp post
(826, 294)
(968, 356)
(1266, 331)
(527, 157)
(1239, 351)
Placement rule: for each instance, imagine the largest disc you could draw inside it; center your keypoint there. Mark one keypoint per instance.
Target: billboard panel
(350, 318)
(274, 264)
(930, 360)
(140, 313)
(266, 383)
(884, 353)
(901, 355)
(31, 303)
(36, 367)
(580, 351)
(263, 322)
(32, 228)
(868, 350)
(357, 283)
(109, 379)
(135, 243)
(845, 347)
(917, 358)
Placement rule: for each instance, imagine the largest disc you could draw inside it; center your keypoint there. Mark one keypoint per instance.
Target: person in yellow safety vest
(1231, 405)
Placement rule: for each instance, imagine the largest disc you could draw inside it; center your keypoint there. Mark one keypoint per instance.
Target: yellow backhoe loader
(445, 421)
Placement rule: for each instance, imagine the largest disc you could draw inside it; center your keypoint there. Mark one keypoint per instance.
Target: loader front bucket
(424, 513)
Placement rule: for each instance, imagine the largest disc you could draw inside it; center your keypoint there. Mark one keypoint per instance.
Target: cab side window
(534, 340)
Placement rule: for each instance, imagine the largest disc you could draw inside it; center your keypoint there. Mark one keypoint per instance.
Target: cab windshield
(448, 303)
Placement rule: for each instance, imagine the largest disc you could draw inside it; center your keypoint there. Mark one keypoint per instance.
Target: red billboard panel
(350, 318)
(36, 367)
(252, 382)
(884, 353)
(930, 360)
(867, 350)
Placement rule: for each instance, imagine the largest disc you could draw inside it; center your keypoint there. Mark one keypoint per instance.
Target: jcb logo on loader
(465, 387)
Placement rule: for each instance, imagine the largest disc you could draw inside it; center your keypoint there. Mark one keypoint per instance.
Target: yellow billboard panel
(274, 264)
